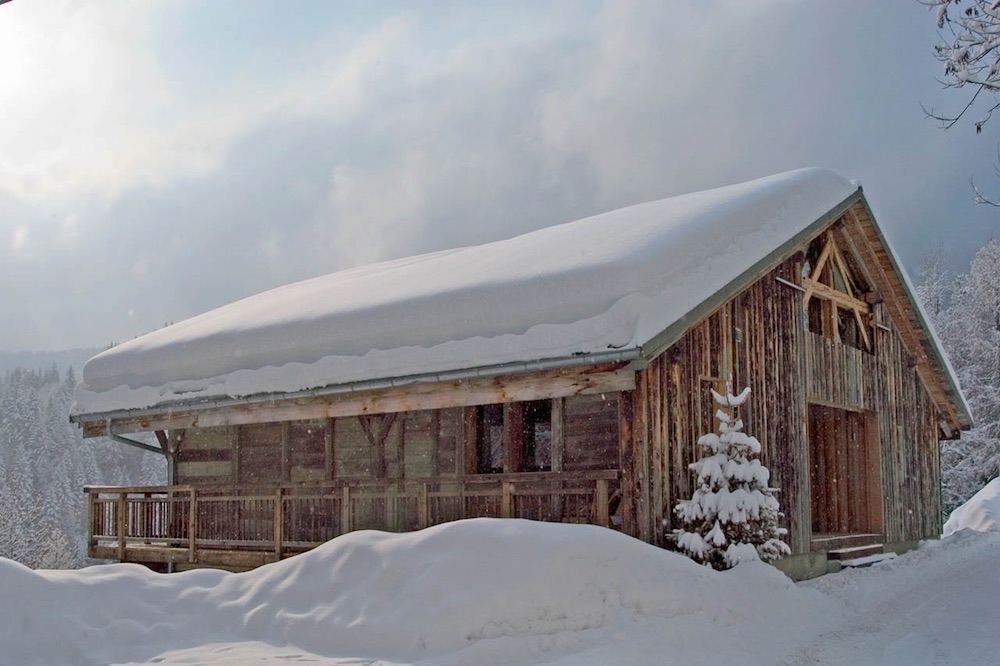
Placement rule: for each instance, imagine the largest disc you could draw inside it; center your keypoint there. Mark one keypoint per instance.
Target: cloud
(19, 239)
(80, 92)
(159, 177)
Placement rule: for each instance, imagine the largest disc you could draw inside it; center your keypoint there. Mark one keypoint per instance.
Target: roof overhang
(611, 370)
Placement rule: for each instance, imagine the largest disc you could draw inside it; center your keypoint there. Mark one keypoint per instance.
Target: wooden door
(845, 471)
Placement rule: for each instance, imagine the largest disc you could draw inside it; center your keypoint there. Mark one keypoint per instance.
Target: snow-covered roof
(609, 282)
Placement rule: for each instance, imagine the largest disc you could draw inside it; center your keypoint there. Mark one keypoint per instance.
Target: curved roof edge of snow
(626, 283)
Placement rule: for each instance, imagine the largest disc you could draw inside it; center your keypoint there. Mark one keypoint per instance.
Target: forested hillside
(965, 311)
(44, 464)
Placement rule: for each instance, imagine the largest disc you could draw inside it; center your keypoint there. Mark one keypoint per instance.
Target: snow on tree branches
(44, 463)
(970, 53)
(732, 516)
(969, 50)
(965, 311)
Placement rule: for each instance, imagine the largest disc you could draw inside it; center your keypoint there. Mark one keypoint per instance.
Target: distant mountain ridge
(42, 360)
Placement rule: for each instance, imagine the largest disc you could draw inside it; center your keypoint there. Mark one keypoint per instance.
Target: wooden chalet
(786, 284)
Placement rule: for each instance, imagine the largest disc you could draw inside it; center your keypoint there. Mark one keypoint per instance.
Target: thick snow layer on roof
(981, 513)
(612, 281)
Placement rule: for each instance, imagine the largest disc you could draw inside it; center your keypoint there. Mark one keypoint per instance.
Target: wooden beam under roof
(606, 378)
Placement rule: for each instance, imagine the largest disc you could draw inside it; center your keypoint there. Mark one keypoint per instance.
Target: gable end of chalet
(888, 290)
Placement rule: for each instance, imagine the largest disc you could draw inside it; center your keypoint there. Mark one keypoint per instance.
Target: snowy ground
(937, 605)
(509, 592)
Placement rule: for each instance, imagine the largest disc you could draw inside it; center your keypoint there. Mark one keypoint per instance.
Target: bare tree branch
(981, 198)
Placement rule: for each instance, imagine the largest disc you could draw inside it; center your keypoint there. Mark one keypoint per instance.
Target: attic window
(831, 295)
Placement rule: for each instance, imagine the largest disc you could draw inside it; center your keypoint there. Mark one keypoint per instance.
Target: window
(489, 439)
(515, 437)
(537, 435)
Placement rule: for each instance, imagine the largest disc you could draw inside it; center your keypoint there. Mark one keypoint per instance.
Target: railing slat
(193, 527)
(279, 523)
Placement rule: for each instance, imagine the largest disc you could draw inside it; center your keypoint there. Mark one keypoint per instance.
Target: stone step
(822, 543)
(856, 552)
(868, 561)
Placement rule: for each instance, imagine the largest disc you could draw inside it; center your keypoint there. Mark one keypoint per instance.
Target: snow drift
(478, 591)
(981, 513)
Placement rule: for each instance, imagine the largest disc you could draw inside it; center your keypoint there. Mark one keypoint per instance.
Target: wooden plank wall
(204, 456)
(910, 448)
(418, 444)
(765, 356)
(759, 337)
(590, 432)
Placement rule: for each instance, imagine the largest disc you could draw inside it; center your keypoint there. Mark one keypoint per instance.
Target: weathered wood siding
(910, 449)
(590, 432)
(760, 338)
(409, 445)
(205, 455)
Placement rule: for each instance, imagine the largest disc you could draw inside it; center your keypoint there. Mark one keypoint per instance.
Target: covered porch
(240, 527)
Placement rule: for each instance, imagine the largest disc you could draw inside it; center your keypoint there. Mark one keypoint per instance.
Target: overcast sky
(158, 159)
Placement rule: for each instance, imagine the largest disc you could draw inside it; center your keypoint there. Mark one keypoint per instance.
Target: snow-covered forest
(965, 310)
(44, 464)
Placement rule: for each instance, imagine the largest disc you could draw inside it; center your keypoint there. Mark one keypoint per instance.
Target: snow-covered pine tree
(732, 516)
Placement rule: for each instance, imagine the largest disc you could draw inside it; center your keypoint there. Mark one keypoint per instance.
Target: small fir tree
(732, 516)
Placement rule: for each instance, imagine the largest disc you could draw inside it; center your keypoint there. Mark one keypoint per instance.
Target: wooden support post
(435, 444)
(391, 494)
(627, 457)
(507, 500)
(558, 449)
(345, 510)
(558, 433)
(469, 431)
(601, 501)
(92, 522)
(122, 524)
(193, 527)
(147, 517)
(330, 471)
(423, 507)
(461, 498)
(279, 523)
(237, 453)
(513, 437)
(286, 451)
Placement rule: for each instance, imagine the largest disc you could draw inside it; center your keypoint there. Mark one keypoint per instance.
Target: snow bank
(479, 591)
(612, 281)
(981, 513)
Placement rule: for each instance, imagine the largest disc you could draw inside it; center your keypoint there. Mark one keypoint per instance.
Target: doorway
(845, 471)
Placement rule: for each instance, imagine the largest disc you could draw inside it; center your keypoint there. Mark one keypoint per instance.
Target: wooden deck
(241, 527)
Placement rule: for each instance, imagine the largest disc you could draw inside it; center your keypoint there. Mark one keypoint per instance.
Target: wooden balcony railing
(242, 526)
